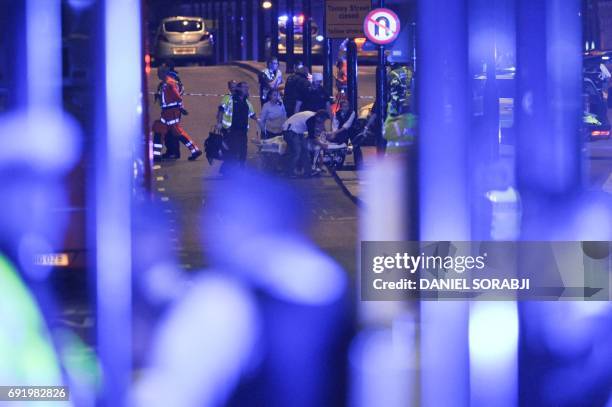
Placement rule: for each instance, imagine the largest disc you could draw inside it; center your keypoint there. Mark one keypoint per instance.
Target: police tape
(218, 95)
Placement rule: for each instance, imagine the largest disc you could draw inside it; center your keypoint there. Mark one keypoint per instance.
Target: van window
(181, 26)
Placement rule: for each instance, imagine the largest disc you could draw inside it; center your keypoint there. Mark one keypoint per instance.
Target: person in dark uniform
(296, 91)
(344, 129)
(317, 97)
(233, 117)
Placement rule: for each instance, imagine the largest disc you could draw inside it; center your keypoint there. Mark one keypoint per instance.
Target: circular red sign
(381, 26)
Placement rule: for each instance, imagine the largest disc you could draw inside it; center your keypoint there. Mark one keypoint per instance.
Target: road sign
(344, 18)
(381, 26)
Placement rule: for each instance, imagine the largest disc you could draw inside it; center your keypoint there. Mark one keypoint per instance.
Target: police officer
(233, 118)
(400, 125)
(399, 90)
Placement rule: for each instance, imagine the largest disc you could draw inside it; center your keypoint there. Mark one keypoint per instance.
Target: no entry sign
(381, 26)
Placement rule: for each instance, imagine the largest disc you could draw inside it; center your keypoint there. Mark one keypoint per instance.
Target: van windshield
(181, 26)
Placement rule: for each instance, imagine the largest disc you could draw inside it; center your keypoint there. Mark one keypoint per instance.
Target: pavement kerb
(346, 191)
(246, 66)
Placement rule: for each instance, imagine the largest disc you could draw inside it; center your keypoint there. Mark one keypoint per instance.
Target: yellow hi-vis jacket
(227, 104)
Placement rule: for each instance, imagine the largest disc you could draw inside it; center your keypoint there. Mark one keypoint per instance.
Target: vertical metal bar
(251, 42)
(14, 75)
(234, 26)
(224, 32)
(328, 58)
(148, 139)
(381, 92)
(243, 42)
(443, 182)
(289, 37)
(261, 32)
(44, 64)
(274, 29)
(306, 36)
(328, 66)
(549, 75)
(123, 68)
(548, 113)
(381, 97)
(216, 17)
(413, 50)
(351, 62)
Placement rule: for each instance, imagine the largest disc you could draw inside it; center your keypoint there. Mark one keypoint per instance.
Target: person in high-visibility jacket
(171, 112)
(233, 120)
(399, 90)
(400, 124)
(171, 141)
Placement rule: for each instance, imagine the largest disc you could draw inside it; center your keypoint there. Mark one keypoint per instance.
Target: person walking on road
(171, 112)
(233, 120)
(269, 79)
(171, 140)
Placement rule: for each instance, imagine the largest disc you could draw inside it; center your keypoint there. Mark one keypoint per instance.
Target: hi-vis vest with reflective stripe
(227, 104)
(171, 103)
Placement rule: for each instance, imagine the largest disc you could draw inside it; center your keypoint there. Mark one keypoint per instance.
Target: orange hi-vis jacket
(171, 102)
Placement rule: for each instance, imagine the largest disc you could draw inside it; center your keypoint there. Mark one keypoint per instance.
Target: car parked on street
(184, 39)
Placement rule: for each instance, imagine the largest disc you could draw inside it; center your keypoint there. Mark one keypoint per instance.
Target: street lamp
(266, 4)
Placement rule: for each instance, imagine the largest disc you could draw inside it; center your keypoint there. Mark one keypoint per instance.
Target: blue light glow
(267, 248)
(122, 71)
(53, 140)
(493, 333)
(44, 46)
(443, 197)
(292, 269)
(201, 347)
(382, 368)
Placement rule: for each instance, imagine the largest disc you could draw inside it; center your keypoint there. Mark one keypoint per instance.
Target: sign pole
(306, 34)
(289, 38)
(274, 29)
(381, 98)
(328, 59)
(344, 19)
(381, 26)
(351, 62)
(381, 94)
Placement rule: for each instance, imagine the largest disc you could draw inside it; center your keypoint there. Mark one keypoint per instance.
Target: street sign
(344, 18)
(381, 26)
